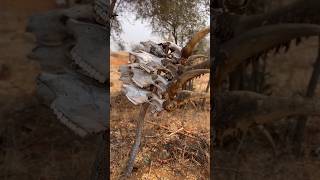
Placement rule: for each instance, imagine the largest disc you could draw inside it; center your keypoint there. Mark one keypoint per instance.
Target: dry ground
(33, 143)
(290, 76)
(165, 153)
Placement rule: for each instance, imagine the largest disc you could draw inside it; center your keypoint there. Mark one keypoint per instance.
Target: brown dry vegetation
(290, 76)
(165, 153)
(33, 143)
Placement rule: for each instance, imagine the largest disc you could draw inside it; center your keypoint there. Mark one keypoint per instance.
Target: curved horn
(183, 78)
(191, 74)
(193, 57)
(259, 40)
(203, 65)
(187, 50)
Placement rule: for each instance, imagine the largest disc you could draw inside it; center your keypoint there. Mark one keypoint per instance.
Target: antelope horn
(183, 78)
(191, 74)
(193, 57)
(259, 40)
(203, 65)
(187, 50)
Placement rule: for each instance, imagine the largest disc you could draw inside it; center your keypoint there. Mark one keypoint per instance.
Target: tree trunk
(175, 36)
(101, 164)
(113, 4)
(302, 120)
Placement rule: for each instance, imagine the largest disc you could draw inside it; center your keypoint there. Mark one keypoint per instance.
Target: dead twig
(166, 128)
(175, 132)
(149, 172)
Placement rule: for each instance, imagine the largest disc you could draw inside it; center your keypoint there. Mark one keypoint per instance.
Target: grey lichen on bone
(153, 48)
(135, 94)
(149, 59)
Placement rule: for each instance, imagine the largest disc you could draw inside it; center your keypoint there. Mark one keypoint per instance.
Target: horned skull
(154, 78)
(155, 74)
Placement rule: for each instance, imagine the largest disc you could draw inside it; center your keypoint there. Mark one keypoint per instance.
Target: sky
(135, 31)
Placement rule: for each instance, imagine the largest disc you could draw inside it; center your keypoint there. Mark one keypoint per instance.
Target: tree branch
(242, 109)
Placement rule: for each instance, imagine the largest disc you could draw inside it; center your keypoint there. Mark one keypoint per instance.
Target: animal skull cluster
(156, 73)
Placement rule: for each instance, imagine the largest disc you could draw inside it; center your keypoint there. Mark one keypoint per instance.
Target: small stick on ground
(175, 132)
(149, 172)
(170, 130)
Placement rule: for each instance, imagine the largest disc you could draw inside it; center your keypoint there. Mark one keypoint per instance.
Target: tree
(121, 45)
(175, 19)
(116, 29)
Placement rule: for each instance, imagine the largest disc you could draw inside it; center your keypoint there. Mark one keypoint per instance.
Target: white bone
(142, 72)
(135, 95)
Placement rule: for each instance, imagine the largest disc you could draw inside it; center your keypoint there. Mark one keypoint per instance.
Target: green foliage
(173, 20)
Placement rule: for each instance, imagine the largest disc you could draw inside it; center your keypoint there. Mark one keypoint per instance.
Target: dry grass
(174, 145)
(35, 145)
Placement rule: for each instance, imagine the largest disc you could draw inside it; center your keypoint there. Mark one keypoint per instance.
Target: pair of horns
(187, 50)
(259, 40)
